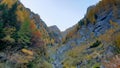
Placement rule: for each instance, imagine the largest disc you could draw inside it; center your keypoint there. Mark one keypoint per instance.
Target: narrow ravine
(58, 57)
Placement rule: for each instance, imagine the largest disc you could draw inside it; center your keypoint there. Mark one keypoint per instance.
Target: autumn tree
(91, 16)
(36, 35)
(9, 2)
(36, 39)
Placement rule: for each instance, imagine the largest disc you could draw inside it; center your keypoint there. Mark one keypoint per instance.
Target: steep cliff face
(41, 25)
(93, 40)
(55, 33)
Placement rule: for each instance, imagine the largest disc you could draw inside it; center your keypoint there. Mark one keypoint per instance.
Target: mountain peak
(54, 28)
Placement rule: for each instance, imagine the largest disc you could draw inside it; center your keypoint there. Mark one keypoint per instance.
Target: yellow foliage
(105, 4)
(74, 56)
(8, 39)
(8, 2)
(45, 34)
(47, 40)
(29, 57)
(20, 6)
(9, 31)
(76, 51)
(91, 16)
(114, 24)
(68, 64)
(93, 55)
(71, 34)
(116, 38)
(22, 15)
(46, 65)
(24, 59)
(107, 37)
(21, 60)
(88, 57)
(52, 41)
(27, 51)
(65, 66)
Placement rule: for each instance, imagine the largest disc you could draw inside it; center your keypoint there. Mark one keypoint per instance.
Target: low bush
(96, 44)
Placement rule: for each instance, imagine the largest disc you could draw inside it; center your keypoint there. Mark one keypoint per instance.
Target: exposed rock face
(38, 21)
(55, 33)
(87, 31)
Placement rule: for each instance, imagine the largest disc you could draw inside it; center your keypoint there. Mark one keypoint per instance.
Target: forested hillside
(24, 37)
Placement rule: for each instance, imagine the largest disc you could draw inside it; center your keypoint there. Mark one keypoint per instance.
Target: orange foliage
(34, 30)
(32, 25)
(37, 33)
(36, 39)
(113, 63)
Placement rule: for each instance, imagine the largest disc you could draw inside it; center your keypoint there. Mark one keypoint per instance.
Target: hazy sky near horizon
(63, 13)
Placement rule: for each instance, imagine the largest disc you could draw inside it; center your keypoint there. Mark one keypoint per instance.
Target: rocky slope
(93, 40)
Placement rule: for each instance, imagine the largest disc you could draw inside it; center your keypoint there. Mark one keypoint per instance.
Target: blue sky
(63, 13)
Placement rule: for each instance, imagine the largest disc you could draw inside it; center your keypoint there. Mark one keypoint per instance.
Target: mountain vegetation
(27, 42)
